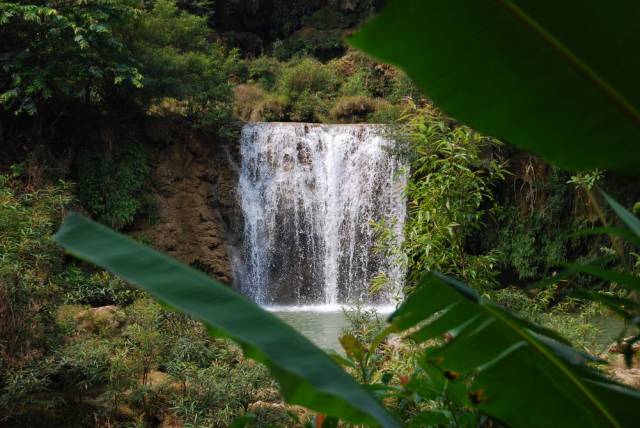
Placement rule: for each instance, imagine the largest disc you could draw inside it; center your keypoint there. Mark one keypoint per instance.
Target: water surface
(322, 324)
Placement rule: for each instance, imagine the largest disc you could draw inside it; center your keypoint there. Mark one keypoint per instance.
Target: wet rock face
(198, 218)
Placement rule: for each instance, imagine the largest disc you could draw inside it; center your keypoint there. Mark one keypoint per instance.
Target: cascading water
(309, 194)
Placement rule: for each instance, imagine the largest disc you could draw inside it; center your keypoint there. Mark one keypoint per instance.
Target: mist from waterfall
(309, 194)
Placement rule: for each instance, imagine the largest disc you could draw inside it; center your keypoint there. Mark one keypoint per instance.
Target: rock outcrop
(198, 219)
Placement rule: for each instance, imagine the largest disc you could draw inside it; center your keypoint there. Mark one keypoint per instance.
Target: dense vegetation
(81, 82)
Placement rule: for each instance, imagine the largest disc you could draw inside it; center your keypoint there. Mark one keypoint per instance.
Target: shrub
(449, 193)
(264, 70)
(353, 109)
(111, 180)
(308, 107)
(306, 76)
(254, 104)
(568, 317)
(387, 113)
(95, 289)
(402, 87)
(114, 57)
(272, 108)
(179, 61)
(246, 99)
(356, 84)
(536, 235)
(27, 266)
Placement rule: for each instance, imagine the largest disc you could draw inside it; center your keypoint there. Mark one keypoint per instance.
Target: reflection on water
(322, 328)
(323, 325)
(609, 327)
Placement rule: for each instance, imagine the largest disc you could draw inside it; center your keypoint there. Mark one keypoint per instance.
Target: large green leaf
(307, 375)
(556, 78)
(525, 376)
(629, 219)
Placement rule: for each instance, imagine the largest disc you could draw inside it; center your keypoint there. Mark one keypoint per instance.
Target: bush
(95, 289)
(264, 71)
(353, 109)
(356, 84)
(568, 317)
(178, 61)
(387, 113)
(246, 99)
(254, 104)
(449, 193)
(111, 181)
(536, 235)
(27, 266)
(306, 76)
(119, 58)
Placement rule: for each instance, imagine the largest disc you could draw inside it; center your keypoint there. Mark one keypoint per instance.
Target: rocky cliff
(198, 219)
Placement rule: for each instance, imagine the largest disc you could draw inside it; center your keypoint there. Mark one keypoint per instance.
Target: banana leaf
(524, 375)
(556, 78)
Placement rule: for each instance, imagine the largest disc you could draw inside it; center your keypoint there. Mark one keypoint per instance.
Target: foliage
(28, 262)
(416, 390)
(78, 56)
(450, 184)
(111, 184)
(503, 350)
(254, 104)
(114, 57)
(533, 228)
(306, 84)
(264, 70)
(352, 88)
(178, 61)
(353, 109)
(581, 77)
(626, 305)
(95, 289)
(306, 375)
(548, 308)
(155, 364)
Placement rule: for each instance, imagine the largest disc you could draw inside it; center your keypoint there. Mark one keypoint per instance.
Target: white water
(309, 193)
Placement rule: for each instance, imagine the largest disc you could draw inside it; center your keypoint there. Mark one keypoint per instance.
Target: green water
(609, 327)
(324, 327)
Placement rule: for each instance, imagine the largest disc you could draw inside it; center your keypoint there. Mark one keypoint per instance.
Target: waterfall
(309, 194)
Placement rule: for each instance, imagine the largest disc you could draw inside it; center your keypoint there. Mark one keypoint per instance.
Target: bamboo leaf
(629, 219)
(612, 231)
(307, 375)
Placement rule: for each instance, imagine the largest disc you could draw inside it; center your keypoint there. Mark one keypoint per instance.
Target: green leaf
(618, 305)
(431, 418)
(307, 375)
(353, 347)
(519, 369)
(624, 279)
(629, 219)
(243, 421)
(553, 78)
(611, 231)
